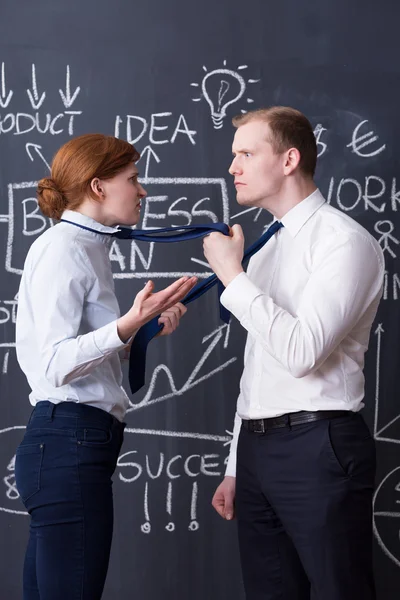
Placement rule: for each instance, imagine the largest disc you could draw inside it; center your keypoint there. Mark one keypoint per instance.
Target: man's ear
(292, 160)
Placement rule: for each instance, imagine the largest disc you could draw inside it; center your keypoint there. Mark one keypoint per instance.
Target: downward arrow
(36, 101)
(67, 99)
(37, 149)
(148, 152)
(4, 99)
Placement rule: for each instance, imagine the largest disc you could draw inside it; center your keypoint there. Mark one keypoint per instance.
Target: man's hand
(170, 318)
(223, 500)
(225, 253)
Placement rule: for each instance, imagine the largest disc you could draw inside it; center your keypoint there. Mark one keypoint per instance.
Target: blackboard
(151, 72)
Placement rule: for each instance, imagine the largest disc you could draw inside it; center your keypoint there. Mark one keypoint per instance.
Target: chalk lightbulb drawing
(221, 88)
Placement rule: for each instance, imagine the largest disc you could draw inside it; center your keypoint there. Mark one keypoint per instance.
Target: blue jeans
(63, 472)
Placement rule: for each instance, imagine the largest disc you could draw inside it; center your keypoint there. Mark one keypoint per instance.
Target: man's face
(258, 172)
(123, 194)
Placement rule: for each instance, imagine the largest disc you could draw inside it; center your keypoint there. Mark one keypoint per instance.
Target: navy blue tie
(137, 357)
(174, 234)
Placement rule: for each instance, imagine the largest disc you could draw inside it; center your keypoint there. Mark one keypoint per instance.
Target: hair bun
(47, 183)
(51, 200)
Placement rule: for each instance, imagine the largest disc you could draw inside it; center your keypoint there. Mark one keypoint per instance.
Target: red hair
(74, 166)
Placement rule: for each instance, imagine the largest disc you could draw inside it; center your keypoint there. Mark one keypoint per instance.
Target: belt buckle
(258, 426)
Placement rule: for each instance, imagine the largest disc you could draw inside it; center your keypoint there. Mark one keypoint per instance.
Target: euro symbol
(358, 143)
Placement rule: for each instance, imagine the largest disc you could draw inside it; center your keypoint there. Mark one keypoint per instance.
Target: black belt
(289, 419)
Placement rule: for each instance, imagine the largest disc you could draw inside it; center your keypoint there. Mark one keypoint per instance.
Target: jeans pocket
(93, 436)
(28, 466)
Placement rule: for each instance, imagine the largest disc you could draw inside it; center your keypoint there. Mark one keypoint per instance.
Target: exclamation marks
(146, 527)
(171, 525)
(193, 509)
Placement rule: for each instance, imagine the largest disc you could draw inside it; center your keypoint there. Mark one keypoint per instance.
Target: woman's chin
(132, 221)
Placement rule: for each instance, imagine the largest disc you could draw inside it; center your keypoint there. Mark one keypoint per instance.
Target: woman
(69, 336)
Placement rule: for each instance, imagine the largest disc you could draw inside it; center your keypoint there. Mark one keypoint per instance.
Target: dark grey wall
(134, 69)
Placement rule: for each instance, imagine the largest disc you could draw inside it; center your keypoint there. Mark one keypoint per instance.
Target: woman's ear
(96, 187)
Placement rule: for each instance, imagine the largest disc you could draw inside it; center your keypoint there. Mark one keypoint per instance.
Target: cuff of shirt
(239, 294)
(231, 464)
(230, 470)
(107, 339)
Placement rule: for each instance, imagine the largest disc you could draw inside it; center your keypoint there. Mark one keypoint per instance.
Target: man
(303, 483)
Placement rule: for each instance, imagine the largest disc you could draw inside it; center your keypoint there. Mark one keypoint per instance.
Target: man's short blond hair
(289, 129)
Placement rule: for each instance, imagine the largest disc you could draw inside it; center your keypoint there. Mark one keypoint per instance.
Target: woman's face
(121, 197)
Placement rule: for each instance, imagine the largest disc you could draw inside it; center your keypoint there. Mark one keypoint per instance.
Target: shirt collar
(80, 219)
(299, 214)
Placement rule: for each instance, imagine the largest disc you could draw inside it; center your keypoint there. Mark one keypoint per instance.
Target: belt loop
(51, 411)
(288, 421)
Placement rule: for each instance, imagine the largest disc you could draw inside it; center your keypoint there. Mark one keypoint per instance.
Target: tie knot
(275, 226)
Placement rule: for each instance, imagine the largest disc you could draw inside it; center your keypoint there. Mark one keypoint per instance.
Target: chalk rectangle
(169, 202)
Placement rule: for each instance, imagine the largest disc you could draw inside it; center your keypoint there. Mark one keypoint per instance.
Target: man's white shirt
(307, 301)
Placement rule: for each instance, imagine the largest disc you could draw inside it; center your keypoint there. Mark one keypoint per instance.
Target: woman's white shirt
(66, 333)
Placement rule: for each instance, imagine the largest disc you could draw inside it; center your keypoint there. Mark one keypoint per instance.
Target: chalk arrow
(67, 99)
(378, 332)
(194, 379)
(4, 97)
(36, 148)
(34, 97)
(148, 152)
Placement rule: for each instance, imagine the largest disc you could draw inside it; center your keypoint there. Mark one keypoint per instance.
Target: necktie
(173, 234)
(137, 357)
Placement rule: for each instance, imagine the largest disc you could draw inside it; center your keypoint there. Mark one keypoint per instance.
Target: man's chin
(243, 200)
